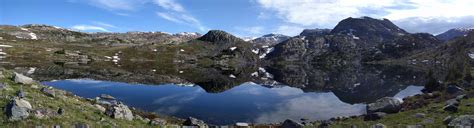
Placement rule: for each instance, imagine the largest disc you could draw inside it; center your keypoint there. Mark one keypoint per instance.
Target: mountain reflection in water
(248, 102)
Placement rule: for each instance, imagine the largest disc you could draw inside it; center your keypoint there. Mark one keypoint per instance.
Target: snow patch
(3, 53)
(471, 55)
(182, 50)
(266, 52)
(355, 37)
(24, 29)
(33, 36)
(31, 71)
(232, 76)
(233, 48)
(254, 74)
(5, 46)
(256, 51)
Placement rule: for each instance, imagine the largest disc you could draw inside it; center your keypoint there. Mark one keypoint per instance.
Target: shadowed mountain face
(352, 41)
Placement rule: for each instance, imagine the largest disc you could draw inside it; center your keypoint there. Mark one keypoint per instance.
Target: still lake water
(248, 102)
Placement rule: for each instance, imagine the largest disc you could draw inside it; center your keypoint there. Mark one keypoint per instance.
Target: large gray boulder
(19, 78)
(119, 111)
(386, 105)
(194, 122)
(462, 121)
(291, 124)
(18, 109)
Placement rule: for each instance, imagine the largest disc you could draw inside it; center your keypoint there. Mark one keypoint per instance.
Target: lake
(247, 102)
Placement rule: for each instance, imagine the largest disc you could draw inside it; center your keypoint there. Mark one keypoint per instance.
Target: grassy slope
(77, 110)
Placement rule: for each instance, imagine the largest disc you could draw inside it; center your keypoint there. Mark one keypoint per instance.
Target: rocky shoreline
(23, 106)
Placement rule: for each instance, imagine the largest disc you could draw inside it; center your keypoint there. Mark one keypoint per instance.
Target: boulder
(19, 78)
(450, 108)
(447, 119)
(119, 111)
(452, 102)
(462, 121)
(461, 97)
(374, 116)
(453, 89)
(48, 92)
(291, 124)
(190, 121)
(18, 109)
(386, 105)
(158, 121)
(100, 108)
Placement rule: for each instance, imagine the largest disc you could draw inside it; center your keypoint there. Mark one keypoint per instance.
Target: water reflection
(248, 102)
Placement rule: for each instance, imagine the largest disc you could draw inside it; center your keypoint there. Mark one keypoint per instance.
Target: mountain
(368, 29)
(315, 32)
(61, 35)
(352, 41)
(270, 39)
(453, 33)
(218, 36)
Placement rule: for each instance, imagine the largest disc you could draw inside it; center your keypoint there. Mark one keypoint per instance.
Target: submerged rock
(462, 121)
(291, 124)
(386, 105)
(19, 78)
(108, 97)
(190, 121)
(18, 109)
(119, 111)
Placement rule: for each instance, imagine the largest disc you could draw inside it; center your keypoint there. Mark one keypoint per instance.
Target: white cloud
(127, 5)
(327, 13)
(176, 13)
(89, 28)
(104, 24)
(170, 5)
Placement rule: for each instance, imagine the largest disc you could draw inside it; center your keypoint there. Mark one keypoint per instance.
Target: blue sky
(239, 17)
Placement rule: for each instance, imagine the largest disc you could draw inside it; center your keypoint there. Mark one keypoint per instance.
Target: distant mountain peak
(369, 28)
(219, 36)
(271, 39)
(454, 33)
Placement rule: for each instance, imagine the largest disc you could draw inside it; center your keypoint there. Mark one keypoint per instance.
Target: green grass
(433, 111)
(77, 110)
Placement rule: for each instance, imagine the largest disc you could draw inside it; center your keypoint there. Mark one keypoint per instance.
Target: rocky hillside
(352, 41)
(270, 39)
(315, 32)
(61, 35)
(453, 33)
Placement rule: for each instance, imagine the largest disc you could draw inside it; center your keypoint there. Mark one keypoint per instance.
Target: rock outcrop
(386, 105)
(18, 109)
(119, 111)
